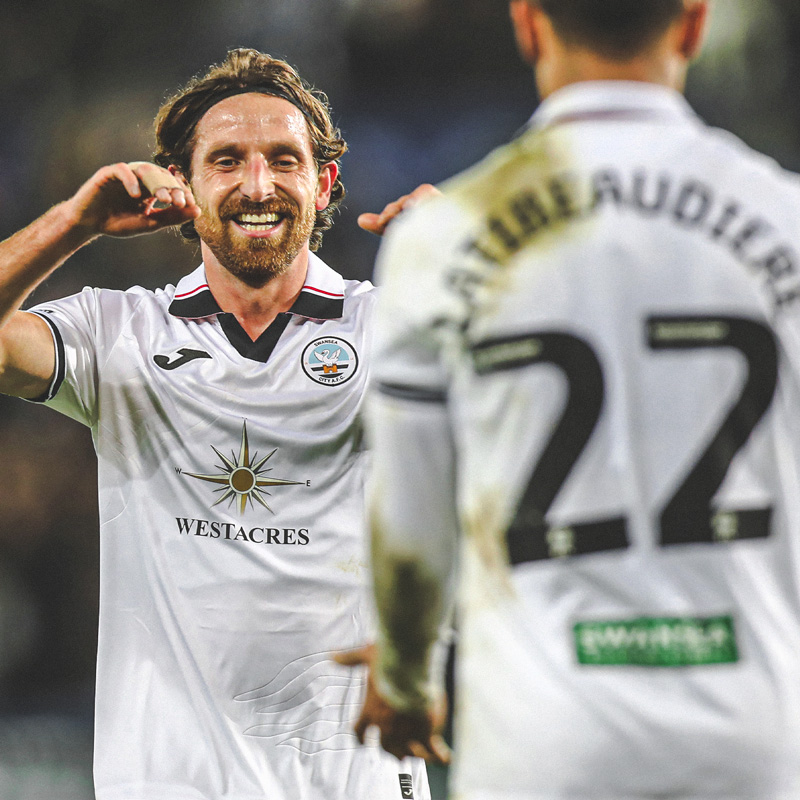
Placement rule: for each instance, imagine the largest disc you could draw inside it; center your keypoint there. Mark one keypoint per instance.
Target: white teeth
(259, 219)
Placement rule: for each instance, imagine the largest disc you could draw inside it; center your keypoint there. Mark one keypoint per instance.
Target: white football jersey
(606, 314)
(231, 482)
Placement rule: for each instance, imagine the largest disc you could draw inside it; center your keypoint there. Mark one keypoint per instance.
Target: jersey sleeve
(73, 325)
(414, 539)
(417, 311)
(412, 497)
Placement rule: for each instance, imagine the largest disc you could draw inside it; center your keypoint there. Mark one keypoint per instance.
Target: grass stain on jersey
(524, 194)
(485, 521)
(410, 626)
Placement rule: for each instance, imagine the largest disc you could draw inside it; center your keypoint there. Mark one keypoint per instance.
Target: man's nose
(258, 181)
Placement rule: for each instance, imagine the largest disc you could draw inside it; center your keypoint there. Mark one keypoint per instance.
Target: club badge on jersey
(330, 360)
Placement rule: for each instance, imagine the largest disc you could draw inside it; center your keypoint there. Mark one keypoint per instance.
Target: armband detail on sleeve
(61, 361)
(415, 394)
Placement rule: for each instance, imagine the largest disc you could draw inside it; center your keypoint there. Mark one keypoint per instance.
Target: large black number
(529, 537)
(688, 515)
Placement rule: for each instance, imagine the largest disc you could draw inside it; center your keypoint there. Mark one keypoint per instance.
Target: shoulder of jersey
(132, 295)
(358, 296)
(462, 203)
(119, 301)
(434, 220)
(138, 297)
(116, 307)
(760, 163)
(354, 288)
(758, 179)
(501, 167)
(730, 144)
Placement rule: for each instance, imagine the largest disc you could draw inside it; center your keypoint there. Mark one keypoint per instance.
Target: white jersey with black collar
(231, 479)
(601, 321)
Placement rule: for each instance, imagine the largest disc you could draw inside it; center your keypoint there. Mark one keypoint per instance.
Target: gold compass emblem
(242, 478)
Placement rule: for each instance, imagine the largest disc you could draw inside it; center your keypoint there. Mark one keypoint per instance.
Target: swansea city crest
(330, 360)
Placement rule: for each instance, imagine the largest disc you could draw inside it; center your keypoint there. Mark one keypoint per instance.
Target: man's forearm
(116, 200)
(30, 255)
(414, 536)
(411, 613)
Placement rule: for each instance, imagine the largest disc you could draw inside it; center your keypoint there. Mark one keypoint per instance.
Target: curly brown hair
(244, 68)
(619, 29)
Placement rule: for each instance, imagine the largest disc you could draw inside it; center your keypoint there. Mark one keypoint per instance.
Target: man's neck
(255, 308)
(583, 66)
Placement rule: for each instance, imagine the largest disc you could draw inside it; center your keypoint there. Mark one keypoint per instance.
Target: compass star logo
(243, 478)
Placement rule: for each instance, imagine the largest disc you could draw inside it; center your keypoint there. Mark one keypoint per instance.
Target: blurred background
(419, 88)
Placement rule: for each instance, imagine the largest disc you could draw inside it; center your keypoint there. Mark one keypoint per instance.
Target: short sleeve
(73, 325)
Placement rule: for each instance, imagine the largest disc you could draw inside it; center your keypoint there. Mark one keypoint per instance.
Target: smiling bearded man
(226, 413)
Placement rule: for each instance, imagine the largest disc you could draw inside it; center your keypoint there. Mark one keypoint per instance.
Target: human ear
(692, 28)
(327, 177)
(173, 170)
(525, 31)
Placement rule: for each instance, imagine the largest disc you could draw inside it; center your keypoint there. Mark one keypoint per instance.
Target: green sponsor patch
(657, 641)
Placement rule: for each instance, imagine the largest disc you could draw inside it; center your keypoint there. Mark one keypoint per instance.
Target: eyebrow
(234, 148)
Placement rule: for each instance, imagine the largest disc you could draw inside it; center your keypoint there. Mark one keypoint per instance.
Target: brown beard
(256, 261)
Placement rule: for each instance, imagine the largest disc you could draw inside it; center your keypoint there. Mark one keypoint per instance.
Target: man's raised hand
(128, 199)
(376, 223)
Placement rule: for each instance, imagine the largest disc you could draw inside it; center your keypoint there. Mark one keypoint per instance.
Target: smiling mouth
(257, 223)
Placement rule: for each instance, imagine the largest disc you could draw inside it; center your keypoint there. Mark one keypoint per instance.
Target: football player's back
(600, 322)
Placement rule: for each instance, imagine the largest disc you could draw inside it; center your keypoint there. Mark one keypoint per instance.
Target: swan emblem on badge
(330, 360)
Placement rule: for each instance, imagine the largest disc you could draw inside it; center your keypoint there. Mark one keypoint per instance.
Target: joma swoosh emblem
(185, 355)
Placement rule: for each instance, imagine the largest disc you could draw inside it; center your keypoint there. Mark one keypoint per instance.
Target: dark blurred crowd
(420, 89)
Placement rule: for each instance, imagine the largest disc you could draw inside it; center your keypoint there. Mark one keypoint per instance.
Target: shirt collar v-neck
(321, 298)
(322, 295)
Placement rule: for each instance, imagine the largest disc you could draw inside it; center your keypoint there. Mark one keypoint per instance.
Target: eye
(225, 162)
(285, 162)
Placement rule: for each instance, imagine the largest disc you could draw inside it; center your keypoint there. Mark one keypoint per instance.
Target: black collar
(322, 297)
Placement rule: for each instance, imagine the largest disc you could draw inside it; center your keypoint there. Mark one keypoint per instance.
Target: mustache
(275, 205)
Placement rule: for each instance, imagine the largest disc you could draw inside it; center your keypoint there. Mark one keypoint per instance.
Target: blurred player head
(572, 40)
(245, 71)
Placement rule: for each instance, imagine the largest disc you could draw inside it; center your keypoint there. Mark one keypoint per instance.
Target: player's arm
(118, 200)
(414, 534)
